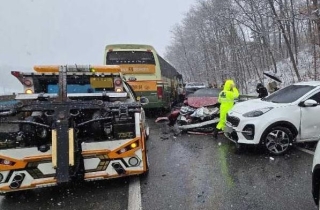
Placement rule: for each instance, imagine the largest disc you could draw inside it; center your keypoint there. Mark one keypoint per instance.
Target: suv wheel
(278, 140)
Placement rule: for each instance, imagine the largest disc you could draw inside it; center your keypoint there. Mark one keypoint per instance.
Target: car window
(209, 92)
(289, 94)
(316, 97)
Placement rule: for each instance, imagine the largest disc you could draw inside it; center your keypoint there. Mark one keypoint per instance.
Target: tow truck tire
(147, 132)
(146, 173)
(319, 199)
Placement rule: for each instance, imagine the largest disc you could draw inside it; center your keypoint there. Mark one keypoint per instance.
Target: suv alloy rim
(277, 141)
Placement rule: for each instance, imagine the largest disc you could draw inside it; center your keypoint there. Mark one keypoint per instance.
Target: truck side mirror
(144, 100)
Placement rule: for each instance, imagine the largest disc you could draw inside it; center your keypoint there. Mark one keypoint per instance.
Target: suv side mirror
(310, 103)
(144, 100)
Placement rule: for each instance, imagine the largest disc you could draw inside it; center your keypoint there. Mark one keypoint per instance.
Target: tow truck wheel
(278, 140)
(319, 200)
(145, 174)
(147, 132)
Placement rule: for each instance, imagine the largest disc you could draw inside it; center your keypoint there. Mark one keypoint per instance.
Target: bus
(147, 72)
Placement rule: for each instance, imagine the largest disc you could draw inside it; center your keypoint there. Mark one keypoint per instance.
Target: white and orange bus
(148, 73)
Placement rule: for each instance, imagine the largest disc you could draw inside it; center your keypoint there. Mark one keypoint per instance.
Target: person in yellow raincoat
(226, 100)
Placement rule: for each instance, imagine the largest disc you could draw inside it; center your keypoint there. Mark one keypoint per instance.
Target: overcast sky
(76, 31)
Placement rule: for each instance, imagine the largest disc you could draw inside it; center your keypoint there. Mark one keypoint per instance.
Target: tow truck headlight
(118, 90)
(128, 147)
(133, 161)
(28, 91)
(7, 162)
(118, 85)
(27, 83)
(123, 150)
(258, 112)
(133, 145)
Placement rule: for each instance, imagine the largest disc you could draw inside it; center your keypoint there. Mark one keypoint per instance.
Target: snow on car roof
(310, 83)
(195, 84)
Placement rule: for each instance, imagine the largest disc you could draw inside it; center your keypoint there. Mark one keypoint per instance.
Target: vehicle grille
(233, 120)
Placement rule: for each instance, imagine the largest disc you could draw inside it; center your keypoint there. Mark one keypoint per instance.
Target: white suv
(288, 115)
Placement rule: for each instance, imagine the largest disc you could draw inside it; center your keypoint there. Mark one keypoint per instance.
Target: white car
(289, 115)
(316, 175)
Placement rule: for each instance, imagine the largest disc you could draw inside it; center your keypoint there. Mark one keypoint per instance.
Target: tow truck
(72, 123)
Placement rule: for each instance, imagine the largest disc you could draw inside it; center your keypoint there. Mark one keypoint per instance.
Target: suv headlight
(258, 112)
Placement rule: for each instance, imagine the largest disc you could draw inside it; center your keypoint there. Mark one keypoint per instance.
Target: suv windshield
(289, 94)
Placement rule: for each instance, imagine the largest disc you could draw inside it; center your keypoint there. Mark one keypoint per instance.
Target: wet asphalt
(198, 172)
(100, 195)
(190, 172)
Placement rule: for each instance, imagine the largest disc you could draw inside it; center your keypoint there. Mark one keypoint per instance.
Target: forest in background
(240, 39)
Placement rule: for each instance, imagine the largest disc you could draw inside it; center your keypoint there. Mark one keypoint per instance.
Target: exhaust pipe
(119, 169)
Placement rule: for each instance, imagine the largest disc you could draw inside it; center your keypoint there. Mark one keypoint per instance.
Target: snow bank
(286, 72)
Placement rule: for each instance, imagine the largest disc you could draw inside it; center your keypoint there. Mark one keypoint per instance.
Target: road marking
(305, 150)
(134, 201)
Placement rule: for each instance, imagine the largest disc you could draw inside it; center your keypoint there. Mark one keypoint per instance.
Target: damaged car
(200, 112)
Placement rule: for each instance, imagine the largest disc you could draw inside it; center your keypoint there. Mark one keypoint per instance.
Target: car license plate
(228, 129)
(103, 82)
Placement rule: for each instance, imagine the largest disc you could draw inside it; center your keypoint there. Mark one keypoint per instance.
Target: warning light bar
(78, 68)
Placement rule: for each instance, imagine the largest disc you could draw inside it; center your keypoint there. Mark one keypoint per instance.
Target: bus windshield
(130, 57)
